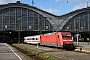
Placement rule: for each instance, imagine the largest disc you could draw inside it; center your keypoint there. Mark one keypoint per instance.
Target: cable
(57, 4)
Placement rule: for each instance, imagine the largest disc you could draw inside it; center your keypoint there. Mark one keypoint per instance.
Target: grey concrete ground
(9, 53)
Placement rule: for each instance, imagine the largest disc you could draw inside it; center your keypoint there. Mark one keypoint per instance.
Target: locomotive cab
(66, 40)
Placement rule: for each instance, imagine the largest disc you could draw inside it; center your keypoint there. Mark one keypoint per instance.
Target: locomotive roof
(53, 33)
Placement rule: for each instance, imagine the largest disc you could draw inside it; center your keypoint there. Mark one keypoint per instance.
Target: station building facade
(28, 20)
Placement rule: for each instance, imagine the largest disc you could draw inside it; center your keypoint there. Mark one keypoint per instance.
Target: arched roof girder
(68, 18)
(41, 12)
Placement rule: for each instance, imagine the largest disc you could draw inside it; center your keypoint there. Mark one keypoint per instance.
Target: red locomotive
(58, 39)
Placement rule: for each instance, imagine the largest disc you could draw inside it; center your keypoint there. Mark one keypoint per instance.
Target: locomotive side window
(29, 38)
(58, 36)
(66, 35)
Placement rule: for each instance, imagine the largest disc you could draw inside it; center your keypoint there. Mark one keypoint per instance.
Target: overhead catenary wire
(58, 3)
(55, 5)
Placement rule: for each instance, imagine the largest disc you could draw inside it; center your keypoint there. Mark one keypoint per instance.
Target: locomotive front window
(66, 35)
(29, 38)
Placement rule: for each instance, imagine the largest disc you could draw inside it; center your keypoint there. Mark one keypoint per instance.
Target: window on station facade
(80, 22)
(28, 18)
